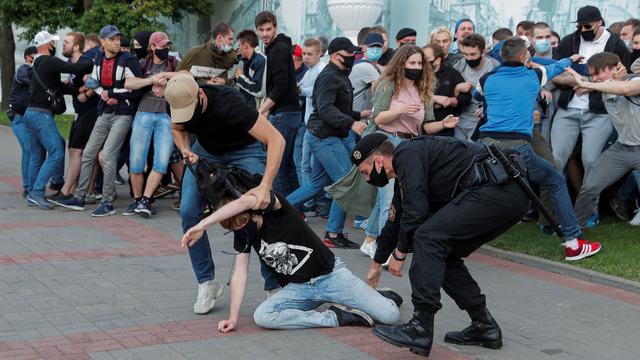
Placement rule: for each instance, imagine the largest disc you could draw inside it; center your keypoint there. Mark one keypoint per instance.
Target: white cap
(43, 37)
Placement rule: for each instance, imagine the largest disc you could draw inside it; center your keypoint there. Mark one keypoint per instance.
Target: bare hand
(262, 192)
(580, 91)
(112, 102)
(224, 326)
(621, 71)
(358, 127)
(479, 112)
(82, 97)
(547, 95)
(373, 274)
(412, 109)
(577, 77)
(104, 96)
(192, 236)
(576, 57)
(365, 114)
(216, 81)
(442, 100)
(395, 266)
(191, 156)
(450, 121)
(464, 87)
(239, 72)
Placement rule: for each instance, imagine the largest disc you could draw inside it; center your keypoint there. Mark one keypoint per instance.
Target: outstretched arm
(238, 288)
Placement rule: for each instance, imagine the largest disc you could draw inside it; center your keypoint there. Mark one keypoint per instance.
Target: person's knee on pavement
(264, 316)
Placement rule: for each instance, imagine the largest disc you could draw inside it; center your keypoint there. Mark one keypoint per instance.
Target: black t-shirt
(225, 123)
(291, 250)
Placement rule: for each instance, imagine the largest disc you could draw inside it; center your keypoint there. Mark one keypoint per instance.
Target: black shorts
(81, 128)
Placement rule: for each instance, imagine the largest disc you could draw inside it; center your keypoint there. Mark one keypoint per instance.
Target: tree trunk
(7, 60)
(87, 4)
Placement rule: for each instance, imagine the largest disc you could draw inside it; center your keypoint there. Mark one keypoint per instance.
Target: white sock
(573, 244)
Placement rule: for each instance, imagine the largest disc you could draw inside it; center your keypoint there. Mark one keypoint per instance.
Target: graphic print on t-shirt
(282, 256)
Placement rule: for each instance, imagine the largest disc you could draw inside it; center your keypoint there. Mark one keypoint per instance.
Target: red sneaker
(585, 249)
(327, 241)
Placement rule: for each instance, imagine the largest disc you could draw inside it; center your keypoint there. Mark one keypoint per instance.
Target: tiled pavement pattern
(74, 287)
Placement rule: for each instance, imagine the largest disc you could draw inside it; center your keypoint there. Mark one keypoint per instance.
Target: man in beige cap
(228, 131)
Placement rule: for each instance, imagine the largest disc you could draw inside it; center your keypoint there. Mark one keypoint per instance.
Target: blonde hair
(439, 30)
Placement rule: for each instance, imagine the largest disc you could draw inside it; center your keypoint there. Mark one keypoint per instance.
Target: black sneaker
(144, 210)
(391, 295)
(131, 210)
(119, 179)
(58, 197)
(351, 317)
(340, 241)
(619, 208)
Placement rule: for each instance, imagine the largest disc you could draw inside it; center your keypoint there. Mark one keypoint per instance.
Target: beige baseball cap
(182, 95)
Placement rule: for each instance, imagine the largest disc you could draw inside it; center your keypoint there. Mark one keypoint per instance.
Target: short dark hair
(94, 38)
(502, 34)
(474, 40)
(438, 53)
(221, 29)
(602, 61)
(616, 27)
(633, 22)
(266, 17)
(555, 34)
(324, 43)
(249, 37)
(362, 34)
(512, 48)
(526, 25)
(540, 25)
(386, 148)
(30, 51)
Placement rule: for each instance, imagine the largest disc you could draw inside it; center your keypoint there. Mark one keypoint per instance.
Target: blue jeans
(45, 140)
(22, 134)
(380, 212)
(147, 125)
(251, 158)
(330, 163)
(294, 306)
(287, 124)
(303, 165)
(542, 173)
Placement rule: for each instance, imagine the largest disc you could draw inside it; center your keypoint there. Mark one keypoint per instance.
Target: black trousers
(473, 218)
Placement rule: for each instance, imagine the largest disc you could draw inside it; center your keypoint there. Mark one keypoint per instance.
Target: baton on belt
(516, 175)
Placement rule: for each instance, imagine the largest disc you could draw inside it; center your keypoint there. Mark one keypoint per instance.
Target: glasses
(585, 26)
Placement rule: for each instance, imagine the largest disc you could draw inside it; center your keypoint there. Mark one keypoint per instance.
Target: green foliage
(129, 16)
(62, 121)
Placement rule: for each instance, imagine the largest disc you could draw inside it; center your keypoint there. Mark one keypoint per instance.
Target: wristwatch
(396, 256)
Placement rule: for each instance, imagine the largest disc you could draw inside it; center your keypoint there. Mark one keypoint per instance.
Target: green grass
(620, 254)
(63, 121)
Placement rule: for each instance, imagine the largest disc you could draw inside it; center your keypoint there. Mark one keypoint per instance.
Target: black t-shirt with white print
(291, 250)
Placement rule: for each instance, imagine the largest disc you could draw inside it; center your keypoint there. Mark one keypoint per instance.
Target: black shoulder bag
(56, 96)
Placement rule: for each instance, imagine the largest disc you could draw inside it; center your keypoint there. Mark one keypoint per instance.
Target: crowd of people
(294, 113)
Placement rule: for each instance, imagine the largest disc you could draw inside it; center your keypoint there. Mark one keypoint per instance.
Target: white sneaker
(208, 292)
(369, 248)
(636, 219)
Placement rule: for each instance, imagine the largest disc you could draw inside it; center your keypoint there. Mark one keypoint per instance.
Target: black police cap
(366, 146)
(404, 32)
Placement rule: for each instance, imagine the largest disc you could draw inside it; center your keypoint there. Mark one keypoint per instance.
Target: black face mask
(379, 179)
(474, 63)
(348, 61)
(588, 35)
(52, 51)
(162, 54)
(413, 74)
(140, 53)
(197, 111)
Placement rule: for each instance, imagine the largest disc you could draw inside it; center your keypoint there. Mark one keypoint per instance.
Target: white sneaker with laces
(636, 219)
(208, 292)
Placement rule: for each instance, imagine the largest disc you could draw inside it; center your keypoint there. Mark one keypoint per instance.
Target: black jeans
(473, 218)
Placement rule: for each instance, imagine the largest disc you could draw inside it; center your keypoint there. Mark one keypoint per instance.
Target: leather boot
(417, 334)
(484, 331)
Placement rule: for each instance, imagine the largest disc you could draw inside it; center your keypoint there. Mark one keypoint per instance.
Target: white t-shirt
(588, 49)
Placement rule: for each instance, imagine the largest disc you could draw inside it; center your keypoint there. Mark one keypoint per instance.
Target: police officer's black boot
(484, 330)
(417, 334)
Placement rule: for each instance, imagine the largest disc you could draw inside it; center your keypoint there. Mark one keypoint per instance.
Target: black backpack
(215, 180)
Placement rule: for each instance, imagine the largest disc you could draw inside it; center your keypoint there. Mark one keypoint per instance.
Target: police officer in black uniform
(446, 204)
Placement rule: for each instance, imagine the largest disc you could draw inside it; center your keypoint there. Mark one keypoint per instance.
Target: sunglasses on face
(585, 26)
